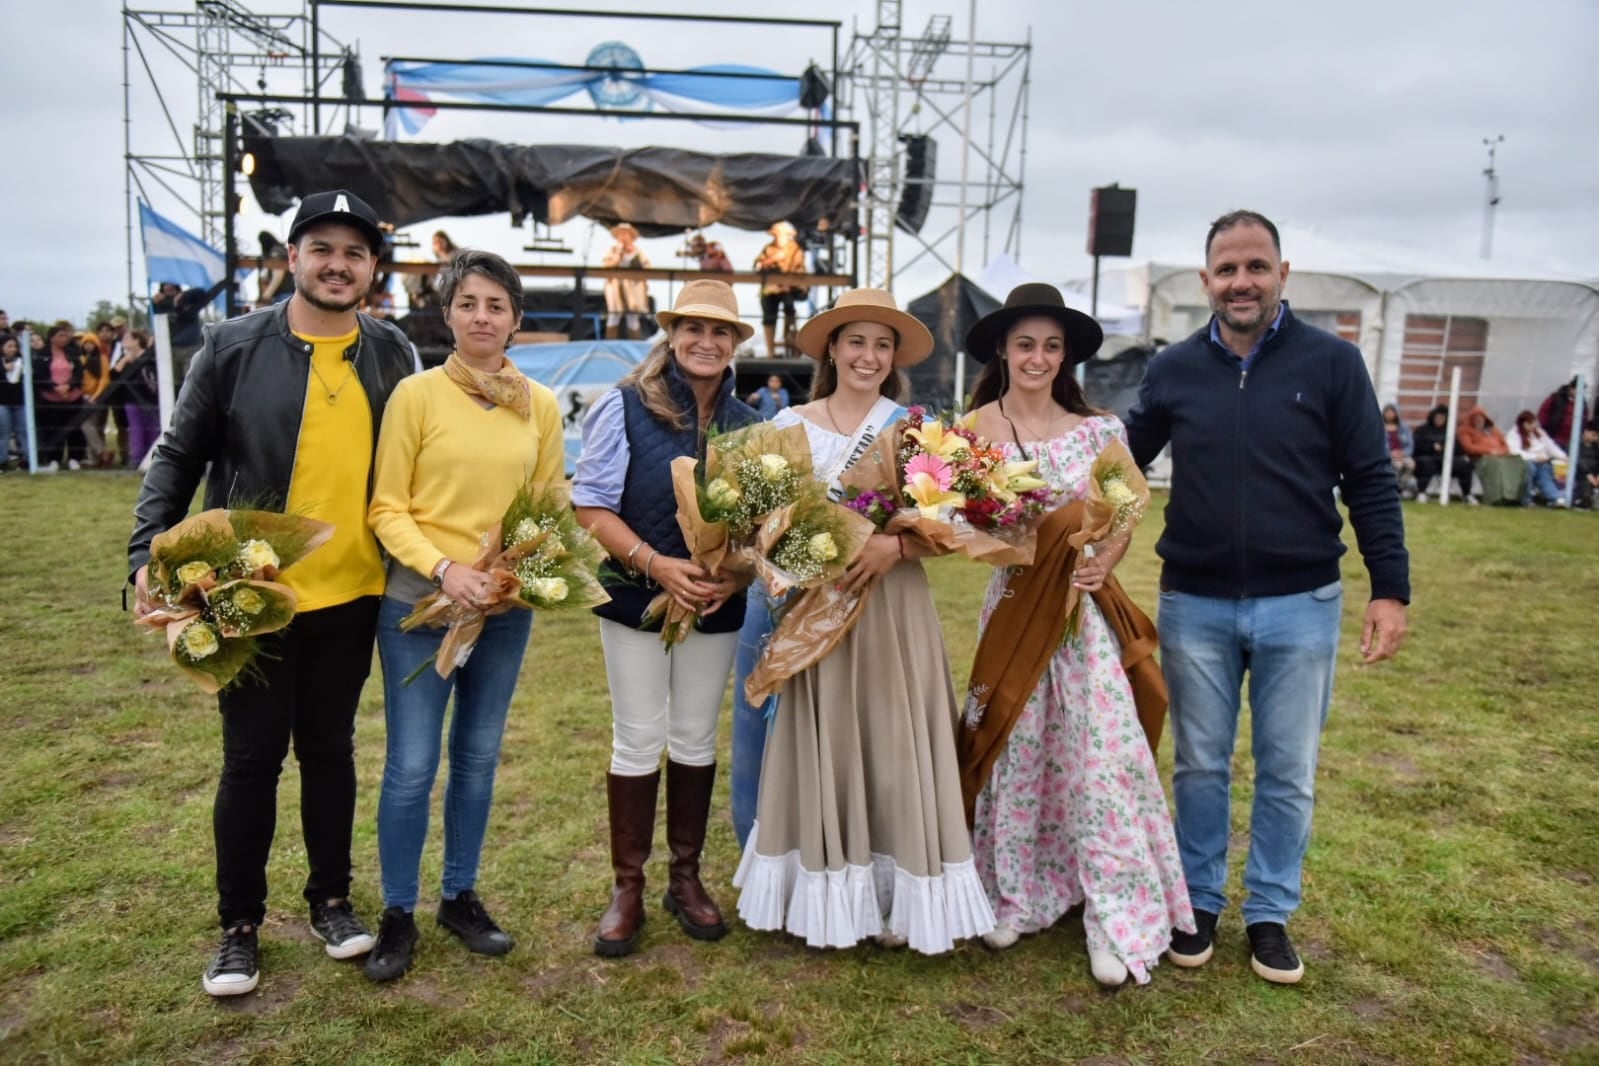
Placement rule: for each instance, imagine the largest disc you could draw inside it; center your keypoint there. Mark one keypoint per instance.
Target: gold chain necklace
(333, 394)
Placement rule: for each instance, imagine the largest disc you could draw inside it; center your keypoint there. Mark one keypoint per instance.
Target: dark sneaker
(336, 925)
(237, 966)
(1194, 949)
(465, 917)
(396, 943)
(1272, 954)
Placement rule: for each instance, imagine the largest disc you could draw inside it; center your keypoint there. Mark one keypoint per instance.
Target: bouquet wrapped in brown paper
(213, 581)
(537, 556)
(1118, 495)
(749, 474)
(898, 484)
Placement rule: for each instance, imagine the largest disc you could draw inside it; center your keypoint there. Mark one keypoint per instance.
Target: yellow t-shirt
(448, 468)
(332, 463)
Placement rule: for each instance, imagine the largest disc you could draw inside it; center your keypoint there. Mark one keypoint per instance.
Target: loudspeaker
(814, 88)
(1110, 220)
(921, 163)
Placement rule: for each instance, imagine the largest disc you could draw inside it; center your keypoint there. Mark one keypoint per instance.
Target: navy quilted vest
(649, 506)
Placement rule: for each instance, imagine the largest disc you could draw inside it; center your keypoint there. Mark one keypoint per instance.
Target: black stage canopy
(949, 311)
(660, 190)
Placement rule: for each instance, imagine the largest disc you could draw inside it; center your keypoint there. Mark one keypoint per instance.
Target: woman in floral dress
(1072, 811)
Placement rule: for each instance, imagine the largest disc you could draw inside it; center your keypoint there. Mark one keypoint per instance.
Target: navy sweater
(1256, 456)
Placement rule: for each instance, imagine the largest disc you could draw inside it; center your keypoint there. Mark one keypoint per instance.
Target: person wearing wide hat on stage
(662, 698)
(626, 301)
(1056, 751)
(859, 832)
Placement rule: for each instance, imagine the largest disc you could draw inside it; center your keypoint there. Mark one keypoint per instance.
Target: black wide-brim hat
(1083, 334)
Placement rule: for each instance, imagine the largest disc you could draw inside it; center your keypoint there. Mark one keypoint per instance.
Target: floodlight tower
(1492, 176)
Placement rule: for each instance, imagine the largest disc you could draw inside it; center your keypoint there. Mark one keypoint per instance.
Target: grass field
(1451, 912)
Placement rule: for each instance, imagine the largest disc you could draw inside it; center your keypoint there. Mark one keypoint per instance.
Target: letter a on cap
(342, 204)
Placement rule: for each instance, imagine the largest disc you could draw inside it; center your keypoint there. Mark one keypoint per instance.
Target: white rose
(257, 555)
(196, 571)
(823, 547)
(549, 589)
(199, 640)
(525, 531)
(722, 493)
(773, 465)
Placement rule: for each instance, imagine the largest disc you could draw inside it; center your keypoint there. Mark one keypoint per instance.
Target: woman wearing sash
(859, 832)
(1057, 738)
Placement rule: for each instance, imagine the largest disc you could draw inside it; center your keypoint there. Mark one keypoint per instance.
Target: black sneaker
(1272, 954)
(237, 966)
(336, 925)
(396, 943)
(1194, 949)
(465, 917)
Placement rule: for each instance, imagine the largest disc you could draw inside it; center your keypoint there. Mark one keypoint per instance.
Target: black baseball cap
(341, 206)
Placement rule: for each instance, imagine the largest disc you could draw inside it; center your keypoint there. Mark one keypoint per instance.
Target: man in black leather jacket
(284, 406)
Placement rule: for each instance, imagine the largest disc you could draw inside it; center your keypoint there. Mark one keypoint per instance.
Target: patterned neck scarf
(505, 387)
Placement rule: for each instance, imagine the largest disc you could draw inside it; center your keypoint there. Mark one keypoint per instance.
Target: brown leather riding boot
(688, 808)
(632, 806)
(613, 332)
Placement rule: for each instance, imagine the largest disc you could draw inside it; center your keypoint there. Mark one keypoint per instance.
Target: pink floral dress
(1074, 811)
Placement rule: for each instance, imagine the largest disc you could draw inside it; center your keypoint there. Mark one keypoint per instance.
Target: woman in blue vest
(623, 494)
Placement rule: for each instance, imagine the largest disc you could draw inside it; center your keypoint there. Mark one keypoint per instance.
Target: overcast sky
(1360, 120)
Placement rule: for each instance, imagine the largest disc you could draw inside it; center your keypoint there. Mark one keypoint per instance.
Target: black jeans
(1429, 467)
(312, 673)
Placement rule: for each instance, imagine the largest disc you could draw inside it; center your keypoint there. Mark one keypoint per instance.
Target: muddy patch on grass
(1493, 964)
(976, 1015)
(427, 989)
(281, 926)
(1399, 767)
(1368, 1010)
(1575, 1040)
(273, 994)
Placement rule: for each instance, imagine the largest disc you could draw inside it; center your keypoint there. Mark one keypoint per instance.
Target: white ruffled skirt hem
(840, 908)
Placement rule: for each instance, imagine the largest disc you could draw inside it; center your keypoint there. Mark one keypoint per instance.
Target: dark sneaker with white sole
(1194, 949)
(236, 969)
(465, 917)
(336, 925)
(396, 944)
(1272, 954)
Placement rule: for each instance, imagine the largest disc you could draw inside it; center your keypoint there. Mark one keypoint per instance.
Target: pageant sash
(883, 414)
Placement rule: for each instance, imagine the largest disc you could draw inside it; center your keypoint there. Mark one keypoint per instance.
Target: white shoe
(1421, 497)
(1002, 937)
(73, 464)
(889, 940)
(1560, 501)
(1107, 969)
(51, 467)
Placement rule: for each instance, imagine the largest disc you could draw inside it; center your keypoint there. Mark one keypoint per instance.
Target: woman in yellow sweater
(457, 442)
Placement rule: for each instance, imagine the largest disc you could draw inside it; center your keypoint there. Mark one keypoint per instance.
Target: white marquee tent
(1516, 333)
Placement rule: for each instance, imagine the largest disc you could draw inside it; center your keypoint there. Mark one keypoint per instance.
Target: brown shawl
(1022, 636)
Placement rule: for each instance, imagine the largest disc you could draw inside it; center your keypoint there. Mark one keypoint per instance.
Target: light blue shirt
(601, 469)
(1260, 342)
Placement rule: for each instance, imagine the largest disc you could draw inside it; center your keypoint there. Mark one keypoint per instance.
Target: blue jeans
(1541, 477)
(13, 420)
(415, 717)
(749, 723)
(1288, 646)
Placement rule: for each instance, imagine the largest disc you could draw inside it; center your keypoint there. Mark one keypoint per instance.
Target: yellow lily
(934, 438)
(1010, 480)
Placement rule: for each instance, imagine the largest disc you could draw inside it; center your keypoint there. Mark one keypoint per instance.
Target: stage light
(247, 164)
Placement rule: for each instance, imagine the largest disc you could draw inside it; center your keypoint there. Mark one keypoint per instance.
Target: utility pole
(1492, 144)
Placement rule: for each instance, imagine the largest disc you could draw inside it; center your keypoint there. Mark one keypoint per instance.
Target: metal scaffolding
(219, 44)
(907, 86)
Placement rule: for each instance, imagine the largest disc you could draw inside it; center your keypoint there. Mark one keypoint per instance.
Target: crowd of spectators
(94, 394)
(1525, 466)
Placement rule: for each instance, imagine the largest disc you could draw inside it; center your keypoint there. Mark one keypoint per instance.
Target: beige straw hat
(708, 299)
(868, 305)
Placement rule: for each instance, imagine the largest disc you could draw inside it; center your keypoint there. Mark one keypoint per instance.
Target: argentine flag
(172, 253)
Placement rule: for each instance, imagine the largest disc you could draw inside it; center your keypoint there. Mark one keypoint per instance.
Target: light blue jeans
(414, 714)
(1288, 646)
(1541, 477)
(749, 723)
(13, 421)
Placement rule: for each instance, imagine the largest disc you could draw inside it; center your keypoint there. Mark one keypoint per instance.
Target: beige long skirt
(859, 829)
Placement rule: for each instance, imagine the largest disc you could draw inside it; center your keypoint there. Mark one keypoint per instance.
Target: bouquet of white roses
(538, 557)
(213, 581)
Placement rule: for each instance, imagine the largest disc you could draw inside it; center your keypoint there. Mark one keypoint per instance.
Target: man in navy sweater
(1266, 417)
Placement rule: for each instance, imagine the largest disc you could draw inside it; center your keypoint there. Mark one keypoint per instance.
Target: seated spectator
(769, 398)
(1428, 452)
(1401, 446)
(1503, 475)
(1528, 440)
(1588, 465)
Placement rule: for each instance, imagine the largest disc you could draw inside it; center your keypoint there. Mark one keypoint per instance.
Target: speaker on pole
(921, 163)
(1110, 220)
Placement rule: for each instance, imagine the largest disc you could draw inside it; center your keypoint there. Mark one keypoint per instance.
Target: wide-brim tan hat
(708, 299)
(617, 229)
(868, 305)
